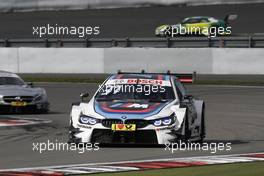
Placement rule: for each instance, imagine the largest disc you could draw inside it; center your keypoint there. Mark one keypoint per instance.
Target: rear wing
(230, 17)
(186, 78)
(183, 77)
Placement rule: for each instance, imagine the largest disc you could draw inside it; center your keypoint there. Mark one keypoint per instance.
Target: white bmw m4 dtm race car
(141, 108)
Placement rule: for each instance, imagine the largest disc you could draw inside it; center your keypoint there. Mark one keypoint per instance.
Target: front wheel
(45, 109)
(202, 131)
(187, 132)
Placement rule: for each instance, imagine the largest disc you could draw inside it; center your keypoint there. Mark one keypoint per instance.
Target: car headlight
(166, 121)
(157, 123)
(88, 120)
(1, 97)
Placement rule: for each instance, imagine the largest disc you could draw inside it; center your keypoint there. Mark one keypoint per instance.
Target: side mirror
(83, 96)
(30, 84)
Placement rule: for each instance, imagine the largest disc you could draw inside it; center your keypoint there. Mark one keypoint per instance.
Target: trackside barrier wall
(32, 5)
(99, 60)
(52, 60)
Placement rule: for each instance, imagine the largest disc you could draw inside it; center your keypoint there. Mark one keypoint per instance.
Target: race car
(197, 26)
(139, 108)
(145, 108)
(16, 96)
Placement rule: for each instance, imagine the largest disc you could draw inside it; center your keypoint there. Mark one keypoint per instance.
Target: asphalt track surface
(129, 22)
(233, 114)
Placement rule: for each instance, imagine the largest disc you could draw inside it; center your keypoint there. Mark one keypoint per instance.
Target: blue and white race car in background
(145, 108)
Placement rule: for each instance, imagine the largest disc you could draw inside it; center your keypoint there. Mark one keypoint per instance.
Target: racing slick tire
(46, 109)
(187, 132)
(203, 133)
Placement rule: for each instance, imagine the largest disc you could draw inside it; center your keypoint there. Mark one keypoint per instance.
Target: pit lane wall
(35, 5)
(99, 60)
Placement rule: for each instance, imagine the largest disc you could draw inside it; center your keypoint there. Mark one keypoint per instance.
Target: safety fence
(241, 41)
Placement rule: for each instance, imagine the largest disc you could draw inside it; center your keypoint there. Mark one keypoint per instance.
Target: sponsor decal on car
(18, 103)
(139, 81)
(123, 127)
(112, 107)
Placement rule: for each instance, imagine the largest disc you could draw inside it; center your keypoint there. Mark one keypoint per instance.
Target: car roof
(7, 74)
(198, 17)
(201, 17)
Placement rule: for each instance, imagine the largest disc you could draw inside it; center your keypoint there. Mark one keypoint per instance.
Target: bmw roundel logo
(17, 98)
(123, 117)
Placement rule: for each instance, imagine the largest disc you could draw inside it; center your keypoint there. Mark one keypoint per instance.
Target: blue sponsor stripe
(117, 115)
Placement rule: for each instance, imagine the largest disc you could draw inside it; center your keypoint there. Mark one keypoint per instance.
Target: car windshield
(191, 21)
(11, 81)
(135, 92)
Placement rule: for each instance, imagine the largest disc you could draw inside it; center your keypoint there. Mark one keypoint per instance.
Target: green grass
(239, 169)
